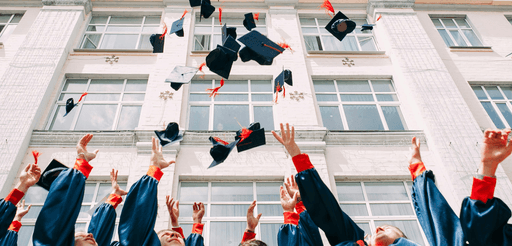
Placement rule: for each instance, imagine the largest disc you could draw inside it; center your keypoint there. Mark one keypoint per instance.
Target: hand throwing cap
(181, 75)
(177, 27)
(264, 48)
(220, 150)
(51, 173)
(220, 61)
(157, 42)
(249, 21)
(251, 137)
(170, 135)
(340, 26)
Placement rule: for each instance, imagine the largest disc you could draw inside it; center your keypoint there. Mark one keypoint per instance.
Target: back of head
(253, 243)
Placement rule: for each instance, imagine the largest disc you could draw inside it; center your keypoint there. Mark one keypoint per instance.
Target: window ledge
(199, 53)
(322, 53)
(110, 51)
(471, 49)
(378, 138)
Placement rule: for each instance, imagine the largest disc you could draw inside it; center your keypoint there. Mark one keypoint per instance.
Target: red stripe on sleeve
(14, 196)
(114, 200)
(155, 172)
(416, 169)
(197, 228)
(15, 226)
(179, 230)
(302, 162)
(83, 166)
(291, 218)
(300, 207)
(483, 190)
(248, 236)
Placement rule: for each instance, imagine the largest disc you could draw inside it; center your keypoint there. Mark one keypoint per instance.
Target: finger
(293, 181)
(413, 141)
(201, 205)
(259, 216)
(96, 151)
(487, 133)
(153, 146)
(295, 196)
(167, 200)
(292, 137)
(28, 208)
(418, 142)
(278, 138)
(27, 167)
(287, 131)
(23, 203)
(497, 134)
(160, 148)
(172, 162)
(178, 204)
(283, 135)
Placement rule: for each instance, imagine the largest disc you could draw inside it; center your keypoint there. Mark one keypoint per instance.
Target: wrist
(175, 224)
(248, 229)
(288, 210)
(198, 221)
(487, 169)
(22, 187)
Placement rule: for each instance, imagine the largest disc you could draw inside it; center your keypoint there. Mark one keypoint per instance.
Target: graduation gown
(103, 220)
(9, 228)
(298, 229)
(11, 237)
(324, 209)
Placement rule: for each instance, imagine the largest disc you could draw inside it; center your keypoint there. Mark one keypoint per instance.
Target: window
(317, 37)
(359, 105)
(226, 205)
(456, 32)
(111, 104)
(509, 19)
(116, 32)
(496, 100)
(372, 204)
(94, 193)
(8, 23)
(208, 32)
(243, 101)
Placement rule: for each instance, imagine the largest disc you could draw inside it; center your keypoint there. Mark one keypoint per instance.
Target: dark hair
(253, 243)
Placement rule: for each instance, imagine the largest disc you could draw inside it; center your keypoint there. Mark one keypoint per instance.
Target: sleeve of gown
(8, 210)
(440, 224)
(103, 220)
(309, 233)
(289, 232)
(55, 224)
(322, 206)
(195, 238)
(136, 226)
(11, 238)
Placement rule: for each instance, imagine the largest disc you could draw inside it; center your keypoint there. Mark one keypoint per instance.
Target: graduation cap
(231, 44)
(284, 77)
(157, 41)
(251, 137)
(340, 26)
(220, 150)
(206, 9)
(181, 75)
(367, 27)
(177, 27)
(70, 103)
(51, 173)
(170, 134)
(264, 49)
(228, 31)
(194, 3)
(249, 22)
(220, 61)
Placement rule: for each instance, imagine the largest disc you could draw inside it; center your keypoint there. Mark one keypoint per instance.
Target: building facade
(437, 70)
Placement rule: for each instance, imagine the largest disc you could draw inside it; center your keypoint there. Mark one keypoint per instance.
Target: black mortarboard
(233, 46)
(249, 21)
(367, 27)
(262, 46)
(51, 172)
(220, 150)
(247, 54)
(228, 31)
(157, 42)
(252, 137)
(194, 3)
(284, 77)
(181, 75)
(343, 22)
(220, 61)
(70, 103)
(170, 134)
(177, 27)
(207, 9)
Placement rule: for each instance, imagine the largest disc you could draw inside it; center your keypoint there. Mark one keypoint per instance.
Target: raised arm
(252, 222)
(11, 238)
(288, 232)
(196, 238)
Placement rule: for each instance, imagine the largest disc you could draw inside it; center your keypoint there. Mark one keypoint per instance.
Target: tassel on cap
(328, 7)
(184, 13)
(36, 155)
(213, 92)
(380, 16)
(257, 16)
(82, 96)
(220, 15)
(284, 45)
(201, 69)
(165, 31)
(266, 45)
(220, 141)
(245, 134)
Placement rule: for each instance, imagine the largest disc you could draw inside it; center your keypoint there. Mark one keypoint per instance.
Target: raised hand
(252, 221)
(115, 186)
(287, 202)
(292, 188)
(414, 151)
(495, 149)
(81, 148)
(287, 139)
(157, 158)
(21, 211)
(174, 210)
(198, 212)
(28, 177)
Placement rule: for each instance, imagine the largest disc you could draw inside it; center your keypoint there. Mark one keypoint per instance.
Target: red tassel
(380, 16)
(165, 31)
(284, 45)
(284, 92)
(245, 134)
(36, 155)
(220, 15)
(257, 16)
(278, 88)
(201, 69)
(328, 7)
(184, 13)
(82, 96)
(213, 92)
(220, 141)
(273, 48)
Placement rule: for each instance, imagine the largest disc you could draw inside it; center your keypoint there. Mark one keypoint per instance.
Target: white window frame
(459, 29)
(7, 24)
(120, 103)
(212, 102)
(509, 18)
(375, 102)
(493, 102)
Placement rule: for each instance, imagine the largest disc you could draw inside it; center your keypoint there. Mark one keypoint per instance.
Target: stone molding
(85, 3)
(388, 4)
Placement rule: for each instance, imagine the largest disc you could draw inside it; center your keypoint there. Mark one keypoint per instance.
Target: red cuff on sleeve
(300, 207)
(155, 172)
(83, 166)
(14, 196)
(302, 162)
(416, 169)
(114, 200)
(483, 190)
(197, 228)
(15, 226)
(291, 218)
(179, 230)
(248, 236)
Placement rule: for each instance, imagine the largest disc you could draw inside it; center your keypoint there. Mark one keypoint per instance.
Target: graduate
(484, 217)
(11, 238)
(298, 228)
(175, 236)
(323, 208)
(249, 235)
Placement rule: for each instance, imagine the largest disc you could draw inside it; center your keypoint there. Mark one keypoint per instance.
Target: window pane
(387, 98)
(234, 86)
(112, 28)
(471, 36)
(80, 227)
(270, 210)
(505, 111)
(89, 192)
(458, 38)
(35, 194)
(480, 93)
(390, 191)
(103, 191)
(231, 97)
(200, 85)
(91, 41)
(265, 116)
(144, 42)
(193, 192)
(382, 86)
(134, 97)
(331, 118)
(268, 191)
(187, 229)
(493, 115)
(224, 117)
(356, 98)
(313, 43)
(59, 121)
(129, 118)
(365, 227)
(96, 117)
(99, 20)
(226, 233)
(354, 86)
(324, 86)
(447, 40)
(232, 192)
(4, 18)
(349, 191)
(186, 210)
(308, 30)
(75, 85)
(125, 20)
(394, 118)
(354, 209)
(322, 22)
(83, 212)
(269, 233)
(261, 86)
(507, 90)
(391, 209)
(199, 97)
(228, 210)
(201, 42)
(333, 44)
(96, 28)
(326, 98)
(217, 40)
(349, 43)
(493, 92)
(33, 212)
(409, 227)
(462, 23)
(119, 41)
(152, 20)
(25, 235)
(449, 23)
(101, 97)
(151, 29)
(363, 117)
(112, 85)
(65, 96)
(307, 21)
(261, 98)
(437, 23)
(367, 43)
(199, 118)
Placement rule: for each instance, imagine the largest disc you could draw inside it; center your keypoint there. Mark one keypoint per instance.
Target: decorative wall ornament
(112, 59)
(166, 95)
(348, 62)
(297, 96)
